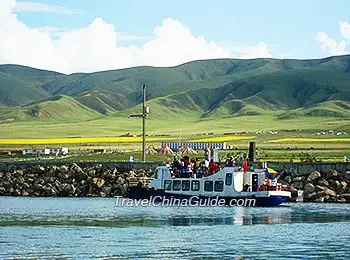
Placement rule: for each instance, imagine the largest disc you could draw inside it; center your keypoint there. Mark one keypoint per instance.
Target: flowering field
(300, 139)
(79, 140)
(224, 138)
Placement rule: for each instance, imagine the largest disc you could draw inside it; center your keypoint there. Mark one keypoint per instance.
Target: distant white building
(47, 151)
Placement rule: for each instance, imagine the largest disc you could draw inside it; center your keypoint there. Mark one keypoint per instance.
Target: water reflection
(240, 216)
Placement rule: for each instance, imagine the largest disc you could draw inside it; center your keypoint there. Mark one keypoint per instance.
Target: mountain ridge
(213, 88)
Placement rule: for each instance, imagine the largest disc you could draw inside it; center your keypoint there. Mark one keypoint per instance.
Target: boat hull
(159, 196)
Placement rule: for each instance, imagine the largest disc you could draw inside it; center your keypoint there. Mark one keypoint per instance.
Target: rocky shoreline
(70, 181)
(105, 181)
(331, 186)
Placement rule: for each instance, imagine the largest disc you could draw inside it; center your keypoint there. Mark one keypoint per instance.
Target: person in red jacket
(212, 167)
(245, 166)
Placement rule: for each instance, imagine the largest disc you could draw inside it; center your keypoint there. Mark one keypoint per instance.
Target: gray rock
(288, 179)
(76, 168)
(91, 172)
(323, 182)
(66, 189)
(309, 188)
(332, 174)
(63, 169)
(326, 190)
(344, 185)
(313, 177)
(81, 176)
(297, 185)
(341, 200)
(106, 190)
(346, 175)
(337, 185)
(310, 196)
(346, 196)
(120, 181)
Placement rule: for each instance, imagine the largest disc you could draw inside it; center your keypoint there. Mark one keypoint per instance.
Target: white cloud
(333, 47)
(96, 46)
(35, 7)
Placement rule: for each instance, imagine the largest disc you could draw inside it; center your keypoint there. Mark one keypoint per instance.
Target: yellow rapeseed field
(224, 138)
(300, 139)
(79, 140)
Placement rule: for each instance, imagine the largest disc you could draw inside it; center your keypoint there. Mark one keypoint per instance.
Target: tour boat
(229, 186)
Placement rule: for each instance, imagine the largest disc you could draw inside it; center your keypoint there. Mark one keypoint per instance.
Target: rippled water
(89, 228)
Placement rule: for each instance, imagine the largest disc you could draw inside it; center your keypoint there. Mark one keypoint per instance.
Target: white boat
(229, 186)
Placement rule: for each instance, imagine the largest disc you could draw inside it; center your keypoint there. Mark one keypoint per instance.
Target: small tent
(188, 150)
(150, 150)
(166, 150)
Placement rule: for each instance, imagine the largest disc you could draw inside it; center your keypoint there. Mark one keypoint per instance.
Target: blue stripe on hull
(143, 193)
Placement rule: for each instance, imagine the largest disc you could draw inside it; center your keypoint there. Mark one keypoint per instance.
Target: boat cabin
(227, 182)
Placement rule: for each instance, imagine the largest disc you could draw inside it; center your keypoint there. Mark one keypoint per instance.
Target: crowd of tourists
(186, 167)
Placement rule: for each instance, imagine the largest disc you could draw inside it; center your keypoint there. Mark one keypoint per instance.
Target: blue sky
(238, 29)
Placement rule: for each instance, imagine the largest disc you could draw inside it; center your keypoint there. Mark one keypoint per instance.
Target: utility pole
(144, 114)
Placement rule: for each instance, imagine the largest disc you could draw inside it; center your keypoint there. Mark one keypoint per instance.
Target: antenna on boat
(144, 114)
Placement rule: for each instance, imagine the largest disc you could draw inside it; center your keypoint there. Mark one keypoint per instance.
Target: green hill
(20, 85)
(59, 109)
(219, 88)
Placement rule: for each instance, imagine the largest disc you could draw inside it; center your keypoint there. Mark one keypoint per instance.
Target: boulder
(107, 190)
(120, 181)
(76, 168)
(332, 174)
(91, 172)
(66, 189)
(298, 185)
(310, 196)
(319, 199)
(341, 200)
(99, 182)
(323, 182)
(346, 196)
(329, 192)
(313, 177)
(346, 175)
(297, 179)
(309, 188)
(344, 185)
(288, 179)
(336, 185)
(63, 169)
(80, 176)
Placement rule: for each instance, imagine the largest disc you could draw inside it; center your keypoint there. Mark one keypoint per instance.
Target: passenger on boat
(229, 162)
(246, 187)
(245, 165)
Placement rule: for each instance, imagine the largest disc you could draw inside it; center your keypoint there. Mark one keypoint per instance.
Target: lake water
(95, 228)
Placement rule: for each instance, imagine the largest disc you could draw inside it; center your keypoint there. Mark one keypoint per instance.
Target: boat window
(219, 186)
(185, 185)
(195, 186)
(208, 185)
(176, 185)
(167, 185)
(228, 181)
